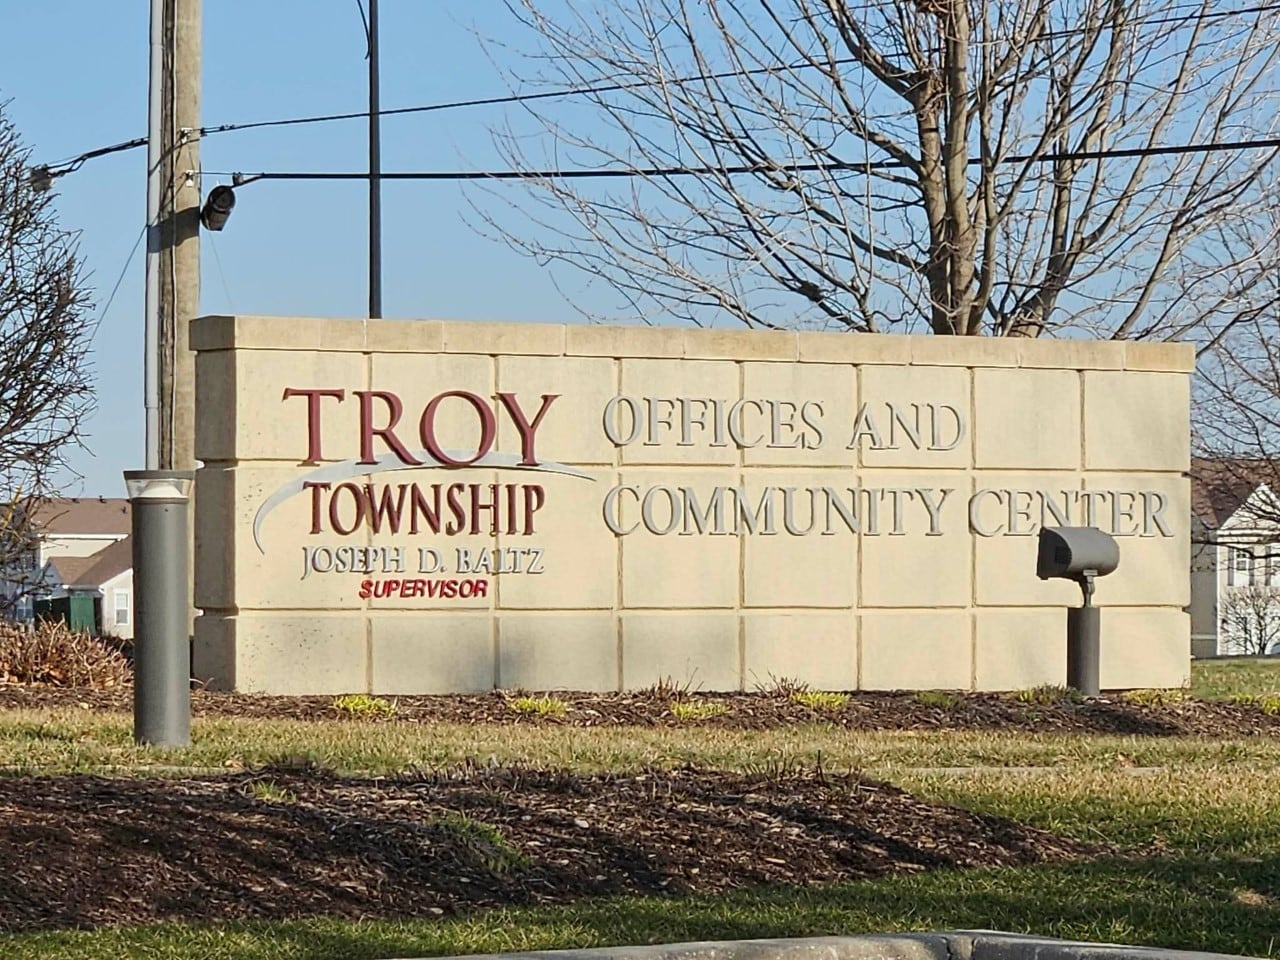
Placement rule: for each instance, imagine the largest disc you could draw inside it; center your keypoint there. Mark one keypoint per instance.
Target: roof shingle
(1220, 487)
(93, 571)
(86, 516)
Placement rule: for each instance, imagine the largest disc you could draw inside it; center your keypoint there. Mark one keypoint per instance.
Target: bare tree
(1250, 619)
(1236, 397)
(1010, 167)
(46, 330)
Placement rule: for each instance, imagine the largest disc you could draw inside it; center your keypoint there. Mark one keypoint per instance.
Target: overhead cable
(74, 163)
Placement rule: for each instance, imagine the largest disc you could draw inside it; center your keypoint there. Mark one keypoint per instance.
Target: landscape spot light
(217, 207)
(1079, 554)
(1076, 553)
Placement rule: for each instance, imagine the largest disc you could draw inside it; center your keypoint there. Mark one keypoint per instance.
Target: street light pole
(375, 171)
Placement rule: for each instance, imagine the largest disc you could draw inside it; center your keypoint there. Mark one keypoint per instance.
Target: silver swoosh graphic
(336, 472)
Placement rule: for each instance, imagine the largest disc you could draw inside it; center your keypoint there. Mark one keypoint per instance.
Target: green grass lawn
(1214, 905)
(1205, 812)
(65, 741)
(1235, 676)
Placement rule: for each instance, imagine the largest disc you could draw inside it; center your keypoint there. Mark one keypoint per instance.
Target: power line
(617, 87)
(1269, 143)
(74, 163)
(106, 308)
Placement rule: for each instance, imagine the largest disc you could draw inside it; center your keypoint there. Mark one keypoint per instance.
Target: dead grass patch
(52, 654)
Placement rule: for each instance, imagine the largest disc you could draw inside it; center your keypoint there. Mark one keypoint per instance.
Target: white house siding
(1246, 552)
(120, 584)
(74, 545)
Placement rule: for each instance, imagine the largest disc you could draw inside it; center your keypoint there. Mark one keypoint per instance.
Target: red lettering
(335, 519)
(534, 498)
(511, 508)
(368, 431)
(427, 511)
(527, 429)
(381, 507)
(316, 489)
(478, 506)
(459, 521)
(313, 396)
(390, 588)
(488, 428)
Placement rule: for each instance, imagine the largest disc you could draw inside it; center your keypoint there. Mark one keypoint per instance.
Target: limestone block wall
(422, 507)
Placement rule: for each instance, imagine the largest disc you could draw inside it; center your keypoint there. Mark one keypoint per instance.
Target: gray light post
(1080, 554)
(162, 651)
(1084, 642)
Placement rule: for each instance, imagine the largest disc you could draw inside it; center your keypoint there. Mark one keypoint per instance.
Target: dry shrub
(53, 654)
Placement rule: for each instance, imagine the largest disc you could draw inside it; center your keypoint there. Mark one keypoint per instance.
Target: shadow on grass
(1226, 906)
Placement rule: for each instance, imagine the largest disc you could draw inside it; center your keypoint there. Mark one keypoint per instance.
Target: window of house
(1260, 565)
(1240, 564)
(122, 607)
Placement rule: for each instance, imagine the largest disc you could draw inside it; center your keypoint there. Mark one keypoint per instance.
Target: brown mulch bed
(81, 851)
(744, 711)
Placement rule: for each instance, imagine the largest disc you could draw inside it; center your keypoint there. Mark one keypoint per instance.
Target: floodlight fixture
(217, 207)
(1076, 553)
(1079, 554)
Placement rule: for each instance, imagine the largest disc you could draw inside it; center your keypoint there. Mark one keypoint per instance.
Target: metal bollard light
(162, 652)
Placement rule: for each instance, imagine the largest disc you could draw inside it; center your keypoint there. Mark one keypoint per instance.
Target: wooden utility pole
(375, 169)
(179, 231)
(173, 253)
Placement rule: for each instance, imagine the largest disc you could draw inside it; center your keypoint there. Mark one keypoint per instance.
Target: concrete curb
(942, 945)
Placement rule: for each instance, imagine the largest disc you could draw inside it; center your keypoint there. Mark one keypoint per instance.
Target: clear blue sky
(75, 72)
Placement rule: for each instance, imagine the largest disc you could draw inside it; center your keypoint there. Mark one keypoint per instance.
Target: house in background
(1235, 558)
(80, 568)
(96, 592)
